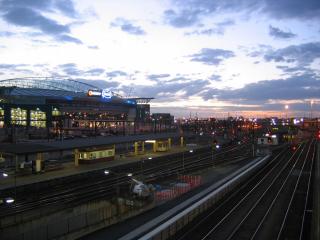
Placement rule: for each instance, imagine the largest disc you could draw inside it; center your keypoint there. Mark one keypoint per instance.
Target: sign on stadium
(98, 93)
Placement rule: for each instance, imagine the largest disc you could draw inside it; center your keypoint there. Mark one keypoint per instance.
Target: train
(93, 155)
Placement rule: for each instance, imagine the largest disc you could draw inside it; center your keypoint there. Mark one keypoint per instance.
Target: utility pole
(253, 140)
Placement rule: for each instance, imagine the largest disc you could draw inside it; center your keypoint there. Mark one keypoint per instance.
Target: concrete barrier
(71, 223)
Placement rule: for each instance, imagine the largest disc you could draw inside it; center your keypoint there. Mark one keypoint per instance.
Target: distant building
(163, 117)
(163, 120)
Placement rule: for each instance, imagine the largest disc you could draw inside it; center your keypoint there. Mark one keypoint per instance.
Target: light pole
(142, 167)
(183, 167)
(311, 103)
(253, 139)
(7, 200)
(216, 146)
(107, 172)
(286, 108)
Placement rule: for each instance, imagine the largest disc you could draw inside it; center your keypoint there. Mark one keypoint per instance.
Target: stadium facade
(68, 106)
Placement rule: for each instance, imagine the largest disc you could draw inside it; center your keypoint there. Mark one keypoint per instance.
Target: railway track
(271, 205)
(100, 186)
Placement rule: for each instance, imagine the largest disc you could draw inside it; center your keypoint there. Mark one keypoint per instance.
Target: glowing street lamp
(311, 103)
(9, 200)
(286, 107)
(190, 151)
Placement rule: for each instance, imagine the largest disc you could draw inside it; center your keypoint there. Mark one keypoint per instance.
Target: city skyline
(210, 58)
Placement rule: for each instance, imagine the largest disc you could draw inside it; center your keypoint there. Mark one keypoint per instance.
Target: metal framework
(142, 100)
(54, 83)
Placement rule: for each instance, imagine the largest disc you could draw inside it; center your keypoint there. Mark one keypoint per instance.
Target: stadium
(65, 108)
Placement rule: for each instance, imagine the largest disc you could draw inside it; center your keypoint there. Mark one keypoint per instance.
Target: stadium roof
(36, 92)
(48, 83)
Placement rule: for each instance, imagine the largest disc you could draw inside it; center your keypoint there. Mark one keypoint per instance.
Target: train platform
(68, 169)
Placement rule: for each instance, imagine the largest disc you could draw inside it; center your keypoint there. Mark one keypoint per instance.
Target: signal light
(294, 148)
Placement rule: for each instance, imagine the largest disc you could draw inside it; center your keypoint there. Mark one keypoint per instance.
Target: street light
(190, 151)
(107, 172)
(7, 200)
(141, 167)
(286, 108)
(311, 103)
(217, 147)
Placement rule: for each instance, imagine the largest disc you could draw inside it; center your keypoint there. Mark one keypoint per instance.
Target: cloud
(11, 66)
(297, 87)
(287, 69)
(67, 65)
(278, 33)
(171, 90)
(184, 18)
(100, 83)
(303, 54)
(31, 14)
(116, 74)
(215, 77)
(126, 26)
(219, 29)
(16, 68)
(156, 77)
(95, 71)
(7, 34)
(186, 13)
(29, 18)
(66, 7)
(70, 69)
(211, 56)
(281, 9)
(67, 38)
(93, 47)
(208, 31)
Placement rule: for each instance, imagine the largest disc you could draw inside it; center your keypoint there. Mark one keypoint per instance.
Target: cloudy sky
(207, 57)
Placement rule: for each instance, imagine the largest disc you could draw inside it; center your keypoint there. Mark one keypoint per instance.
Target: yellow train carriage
(96, 155)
